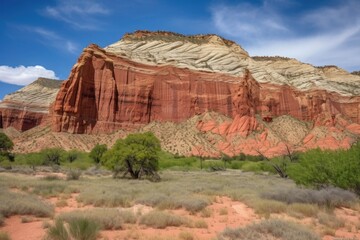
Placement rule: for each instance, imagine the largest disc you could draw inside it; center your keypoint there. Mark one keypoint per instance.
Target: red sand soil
(224, 213)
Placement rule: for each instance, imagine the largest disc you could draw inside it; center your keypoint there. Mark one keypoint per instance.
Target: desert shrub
(200, 224)
(329, 197)
(83, 229)
(49, 189)
(194, 205)
(159, 219)
(73, 174)
(4, 236)
(301, 210)
(106, 197)
(80, 229)
(71, 155)
(266, 207)
(52, 156)
(206, 213)
(269, 229)
(186, 236)
(23, 204)
(57, 232)
(51, 177)
(5, 163)
(259, 166)
(330, 220)
(164, 201)
(107, 218)
(321, 168)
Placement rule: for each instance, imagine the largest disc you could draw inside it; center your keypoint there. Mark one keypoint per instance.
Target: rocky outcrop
(106, 92)
(29, 106)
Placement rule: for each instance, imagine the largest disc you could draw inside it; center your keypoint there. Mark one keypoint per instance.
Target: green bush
(260, 166)
(321, 168)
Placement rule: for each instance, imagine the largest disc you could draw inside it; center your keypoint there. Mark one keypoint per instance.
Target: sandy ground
(224, 213)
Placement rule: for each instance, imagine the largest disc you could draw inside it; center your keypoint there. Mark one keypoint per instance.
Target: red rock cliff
(106, 92)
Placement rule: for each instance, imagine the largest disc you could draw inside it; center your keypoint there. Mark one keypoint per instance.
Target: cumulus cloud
(81, 14)
(22, 75)
(320, 36)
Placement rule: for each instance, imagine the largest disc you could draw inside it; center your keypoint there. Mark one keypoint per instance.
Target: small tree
(52, 156)
(71, 155)
(6, 146)
(97, 152)
(136, 155)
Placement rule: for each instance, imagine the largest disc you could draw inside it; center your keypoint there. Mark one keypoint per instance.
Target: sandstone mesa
(199, 94)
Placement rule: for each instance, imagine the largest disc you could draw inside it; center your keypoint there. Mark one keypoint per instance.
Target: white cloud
(319, 36)
(247, 20)
(22, 75)
(80, 14)
(48, 37)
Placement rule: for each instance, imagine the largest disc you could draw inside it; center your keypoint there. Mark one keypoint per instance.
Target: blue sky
(45, 38)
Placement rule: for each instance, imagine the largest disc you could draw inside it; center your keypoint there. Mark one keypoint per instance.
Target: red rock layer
(21, 120)
(105, 92)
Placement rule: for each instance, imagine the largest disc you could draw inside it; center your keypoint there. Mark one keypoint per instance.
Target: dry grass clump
(269, 229)
(73, 175)
(329, 197)
(4, 236)
(266, 207)
(206, 213)
(100, 196)
(200, 224)
(330, 220)
(301, 210)
(163, 201)
(160, 219)
(79, 229)
(186, 236)
(49, 189)
(107, 218)
(23, 204)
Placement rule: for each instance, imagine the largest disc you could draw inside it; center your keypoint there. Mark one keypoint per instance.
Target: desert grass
(269, 229)
(330, 220)
(206, 213)
(200, 224)
(302, 210)
(23, 204)
(80, 229)
(186, 236)
(2, 220)
(4, 236)
(161, 219)
(330, 197)
(107, 218)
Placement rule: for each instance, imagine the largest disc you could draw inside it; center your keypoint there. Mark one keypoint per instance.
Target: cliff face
(106, 92)
(29, 106)
(201, 95)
